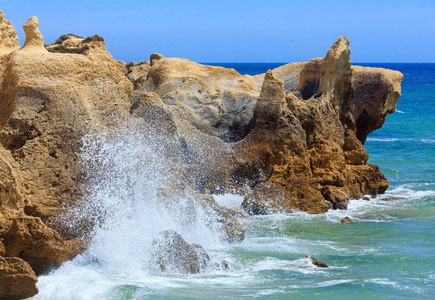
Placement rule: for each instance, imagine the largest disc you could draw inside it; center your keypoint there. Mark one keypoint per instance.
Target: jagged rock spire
(34, 40)
(8, 36)
(321, 75)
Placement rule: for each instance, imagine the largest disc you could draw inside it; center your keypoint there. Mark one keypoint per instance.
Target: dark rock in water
(222, 266)
(393, 198)
(317, 263)
(173, 254)
(347, 220)
(17, 279)
(366, 198)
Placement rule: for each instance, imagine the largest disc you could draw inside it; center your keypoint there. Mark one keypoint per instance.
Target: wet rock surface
(17, 279)
(346, 220)
(318, 263)
(174, 255)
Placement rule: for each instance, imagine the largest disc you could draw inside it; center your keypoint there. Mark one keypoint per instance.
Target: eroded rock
(17, 279)
(30, 239)
(376, 93)
(293, 136)
(34, 39)
(138, 72)
(155, 57)
(215, 100)
(8, 37)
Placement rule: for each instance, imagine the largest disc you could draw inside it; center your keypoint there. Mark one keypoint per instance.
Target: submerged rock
(393, 198)
(173, 254)
(346, 220)
(317, 263)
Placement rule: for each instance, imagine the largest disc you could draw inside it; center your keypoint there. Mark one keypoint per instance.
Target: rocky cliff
(291, 139)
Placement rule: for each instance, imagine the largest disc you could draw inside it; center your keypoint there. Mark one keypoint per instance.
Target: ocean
(388, 253)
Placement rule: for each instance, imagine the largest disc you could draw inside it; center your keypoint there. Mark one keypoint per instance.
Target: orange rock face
(309, 144)
(17, 279)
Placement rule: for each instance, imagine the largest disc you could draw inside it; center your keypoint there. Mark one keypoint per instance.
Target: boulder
(317, 263)
(173, 254)
(347, 220)
(138, 72)
(17, 279)
(392, 198)
(235, 211)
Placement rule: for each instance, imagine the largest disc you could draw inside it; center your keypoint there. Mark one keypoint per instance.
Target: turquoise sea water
(388, 253)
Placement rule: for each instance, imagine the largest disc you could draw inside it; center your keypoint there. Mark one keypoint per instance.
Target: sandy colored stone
(8, 36)
(299, 138)
(138, 72)
(34, 40)
(30, 239)
(17, 279)
(216, 100)
(57, 98)
(376, 93)
(235, 211)
(288, 73)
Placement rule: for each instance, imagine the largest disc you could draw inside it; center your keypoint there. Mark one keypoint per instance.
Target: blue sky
(240, 31)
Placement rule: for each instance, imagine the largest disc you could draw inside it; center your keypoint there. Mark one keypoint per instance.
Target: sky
(239, 30)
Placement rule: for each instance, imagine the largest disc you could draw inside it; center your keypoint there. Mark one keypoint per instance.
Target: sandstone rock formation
(55, 98)
(8, 44)
(290, 140)
(17, 279)
(8, 36)
(306, 144)
(217, 101)
(30, 239)
(370, 86)
(138, 72)
(34, 40)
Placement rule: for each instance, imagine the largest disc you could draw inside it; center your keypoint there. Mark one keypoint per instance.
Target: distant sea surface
(388, 253)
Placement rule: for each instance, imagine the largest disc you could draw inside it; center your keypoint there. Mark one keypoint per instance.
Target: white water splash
(124, 213)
